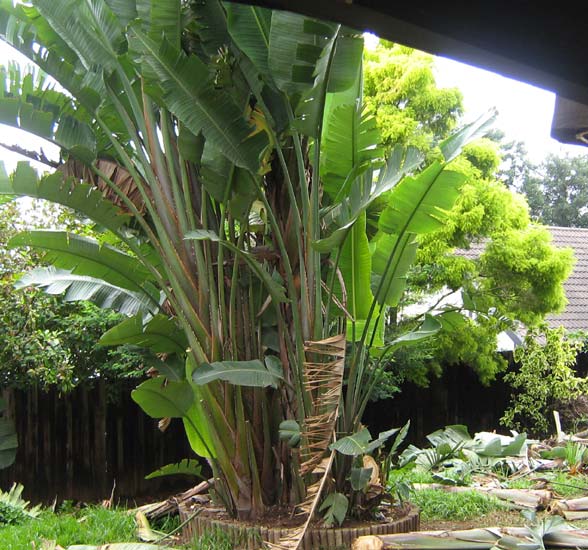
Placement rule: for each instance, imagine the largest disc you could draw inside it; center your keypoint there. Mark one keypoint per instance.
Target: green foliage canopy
(487, 248)
(43, 340)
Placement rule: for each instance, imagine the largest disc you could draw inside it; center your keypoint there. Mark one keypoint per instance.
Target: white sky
(524, 111)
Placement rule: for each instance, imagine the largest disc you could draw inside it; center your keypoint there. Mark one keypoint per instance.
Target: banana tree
(225, 156)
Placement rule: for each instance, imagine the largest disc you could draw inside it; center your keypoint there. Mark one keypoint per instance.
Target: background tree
(557, 190)
(545, 380)
(400, 89)
(515, 274)
(45, 341)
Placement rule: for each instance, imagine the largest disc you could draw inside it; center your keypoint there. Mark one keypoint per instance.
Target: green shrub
(544, 380)
(11, 515)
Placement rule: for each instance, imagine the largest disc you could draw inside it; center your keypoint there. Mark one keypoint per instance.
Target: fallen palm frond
(568, 505)
(157, 510)
(511, 538)
(574, 516)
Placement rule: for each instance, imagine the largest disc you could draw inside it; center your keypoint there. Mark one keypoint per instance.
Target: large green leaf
(420, 204)
(160, 334)
(361, 442)
(353, 445)
(452, 146)
(335, 508)
(350, 141)
(392, 258)
(360, 478)
(336, 70)
(249, 27)
(85, 256)
(161, 398)
(356, 266)
(124, 10)
(65, 191)
(295, 44)
(80, 287)
(242, 373)
(428, 328)
(28, 102)
(211, 26)
(198, 429)
(26, 30)
(89, 28)
(190, 94)
(362, 193)
(161, 18)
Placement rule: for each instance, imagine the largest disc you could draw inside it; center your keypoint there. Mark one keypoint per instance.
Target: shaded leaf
(160, 334)
(360, 478)
(290, 430)
(242, 373)
(161, 398)
(335, 508)
(189, 93)
(187, 466)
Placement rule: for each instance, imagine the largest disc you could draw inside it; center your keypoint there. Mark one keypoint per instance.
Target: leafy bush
(544, 379)
(11, 515)
(13, 508)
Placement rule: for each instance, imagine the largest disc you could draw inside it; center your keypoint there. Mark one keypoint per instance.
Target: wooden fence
(76, 446)
(458, 397)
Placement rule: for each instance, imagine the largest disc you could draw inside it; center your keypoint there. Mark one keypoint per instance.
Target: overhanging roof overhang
(540, 44)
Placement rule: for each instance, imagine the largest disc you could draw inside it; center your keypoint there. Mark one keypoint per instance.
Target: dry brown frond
(324, 382)
(115, 173)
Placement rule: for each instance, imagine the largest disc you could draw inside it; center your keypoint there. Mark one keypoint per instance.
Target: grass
(520, 483)
(93, 526)
(441, 505)
(566, 485)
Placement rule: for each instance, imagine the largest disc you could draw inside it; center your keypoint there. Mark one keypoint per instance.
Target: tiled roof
(575, 315)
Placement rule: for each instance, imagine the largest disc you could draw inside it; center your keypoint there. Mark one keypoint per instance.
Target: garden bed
(249, 536)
